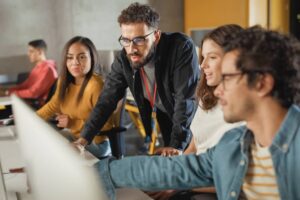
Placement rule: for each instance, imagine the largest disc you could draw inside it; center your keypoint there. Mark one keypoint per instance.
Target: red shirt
(39, 81)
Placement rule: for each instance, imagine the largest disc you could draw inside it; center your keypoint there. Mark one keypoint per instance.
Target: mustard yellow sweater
(78, 112)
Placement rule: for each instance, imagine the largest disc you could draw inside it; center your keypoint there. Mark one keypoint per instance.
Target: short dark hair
(66, 77)
(264, 51)
(38, 44)
(139, 13)
(221, 35)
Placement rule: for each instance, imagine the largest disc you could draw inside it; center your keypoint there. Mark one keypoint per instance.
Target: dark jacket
(176, 73)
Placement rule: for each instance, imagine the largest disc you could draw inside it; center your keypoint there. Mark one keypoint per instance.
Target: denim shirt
(223, 166)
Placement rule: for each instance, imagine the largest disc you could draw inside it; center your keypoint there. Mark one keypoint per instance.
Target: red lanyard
(151, 99)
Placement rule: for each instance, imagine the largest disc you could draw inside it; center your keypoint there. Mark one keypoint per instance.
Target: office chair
(37, 103)
(115, 135)
(22, 77)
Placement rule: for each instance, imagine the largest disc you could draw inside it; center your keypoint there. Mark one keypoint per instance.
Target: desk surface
(7, 132)
(10, 156)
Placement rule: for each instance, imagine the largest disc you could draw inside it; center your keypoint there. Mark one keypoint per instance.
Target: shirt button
(242, 162)
(233, 194)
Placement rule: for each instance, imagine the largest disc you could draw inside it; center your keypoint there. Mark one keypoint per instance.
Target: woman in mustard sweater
(77, 92)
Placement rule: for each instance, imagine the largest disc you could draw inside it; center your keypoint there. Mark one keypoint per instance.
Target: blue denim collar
(245, 142)
(283, 137)
(288, 129)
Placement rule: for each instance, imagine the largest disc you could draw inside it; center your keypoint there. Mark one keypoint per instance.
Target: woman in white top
(208, 125)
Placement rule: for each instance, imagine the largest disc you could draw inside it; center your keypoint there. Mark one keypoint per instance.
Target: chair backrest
(22, 77)
(51, 91)
(116, 137)
(39, 102)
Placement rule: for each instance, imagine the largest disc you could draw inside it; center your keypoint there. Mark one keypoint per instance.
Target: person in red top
(42, 76)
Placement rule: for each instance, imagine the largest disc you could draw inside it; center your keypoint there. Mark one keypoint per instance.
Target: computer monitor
(55, 170)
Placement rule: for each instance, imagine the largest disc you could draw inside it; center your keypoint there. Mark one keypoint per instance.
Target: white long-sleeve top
(208, 127)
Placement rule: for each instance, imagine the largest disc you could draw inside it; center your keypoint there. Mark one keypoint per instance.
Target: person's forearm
(205, 190)
(191, 148)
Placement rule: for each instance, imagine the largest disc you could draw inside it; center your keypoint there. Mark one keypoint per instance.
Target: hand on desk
(167, 151)
(80, 143)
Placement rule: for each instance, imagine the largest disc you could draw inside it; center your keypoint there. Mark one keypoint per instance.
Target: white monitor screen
(55, 170)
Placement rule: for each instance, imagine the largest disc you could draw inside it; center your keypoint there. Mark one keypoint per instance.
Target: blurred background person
(42, 76)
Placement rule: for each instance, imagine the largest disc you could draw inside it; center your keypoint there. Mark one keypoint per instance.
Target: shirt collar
(288, 130)
(283, 137)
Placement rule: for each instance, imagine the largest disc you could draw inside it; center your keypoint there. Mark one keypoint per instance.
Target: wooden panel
(279, 15)
(212, 13)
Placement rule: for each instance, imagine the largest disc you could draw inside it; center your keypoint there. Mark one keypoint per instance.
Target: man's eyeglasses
(225, 79)
(138, 41)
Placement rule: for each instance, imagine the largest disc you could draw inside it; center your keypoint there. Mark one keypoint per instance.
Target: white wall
(22, 21)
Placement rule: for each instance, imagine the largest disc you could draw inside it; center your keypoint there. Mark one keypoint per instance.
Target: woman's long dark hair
(220, 36)
(66, 77)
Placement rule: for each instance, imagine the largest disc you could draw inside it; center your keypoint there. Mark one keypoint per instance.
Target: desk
(7, 132)
(16, 184)
(10, 156)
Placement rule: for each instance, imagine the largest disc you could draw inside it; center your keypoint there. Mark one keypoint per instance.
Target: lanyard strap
(151, 99)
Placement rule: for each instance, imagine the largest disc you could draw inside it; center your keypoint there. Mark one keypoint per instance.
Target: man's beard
(146, 60)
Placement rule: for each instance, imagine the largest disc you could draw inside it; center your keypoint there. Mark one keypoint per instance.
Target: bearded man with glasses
(161, 70)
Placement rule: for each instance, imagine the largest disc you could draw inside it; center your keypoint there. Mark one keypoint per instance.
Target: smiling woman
(208, 125)
(77, 78)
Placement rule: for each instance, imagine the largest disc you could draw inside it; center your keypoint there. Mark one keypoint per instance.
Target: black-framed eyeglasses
(138, 41)
(225, 78)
